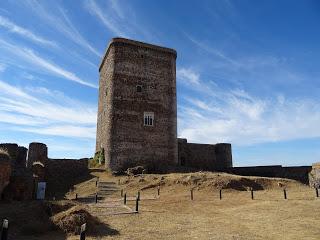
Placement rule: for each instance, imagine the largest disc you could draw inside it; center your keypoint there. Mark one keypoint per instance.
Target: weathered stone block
(38, 152)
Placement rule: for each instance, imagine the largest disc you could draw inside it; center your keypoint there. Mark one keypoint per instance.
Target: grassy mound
(70, 221)
(203, 180)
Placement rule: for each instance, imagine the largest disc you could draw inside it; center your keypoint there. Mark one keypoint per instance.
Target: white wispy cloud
(240, 118)
(47, 112)
(249, 62)
(214, 51)
(188, 76)
(120, 19)
(14, 28)
(62, 130)
(117, 8)
(58, 19)
(106, 19)
(32, 58)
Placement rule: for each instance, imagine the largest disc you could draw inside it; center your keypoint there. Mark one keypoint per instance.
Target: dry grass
(70, 220)
(4, 154)
(175, 216)
(236, 216)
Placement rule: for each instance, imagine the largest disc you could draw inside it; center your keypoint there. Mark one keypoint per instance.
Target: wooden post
(125, 199)
(191, 192)
(252, 194)
(83, 231)
(96, 183)
(317, 192)
(284, 193)
(96, 197)
(220, 194)
(5, 229)
(137, 204)
(76, 196)
(138, 196)
(158, 190)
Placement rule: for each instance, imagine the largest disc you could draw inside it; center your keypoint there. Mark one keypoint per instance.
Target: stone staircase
(107, 205)
(106, 189)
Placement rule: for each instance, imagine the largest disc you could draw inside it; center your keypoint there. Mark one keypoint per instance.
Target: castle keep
(137, 112)
(137, 115)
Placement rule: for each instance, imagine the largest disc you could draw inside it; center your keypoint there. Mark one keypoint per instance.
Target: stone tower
(137, 111)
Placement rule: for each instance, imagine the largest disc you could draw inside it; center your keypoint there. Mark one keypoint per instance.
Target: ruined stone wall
(38, 152)
(299, 173)
(20, 186)
(204, 156)
(12, 149)
(61, 174)
(61, 168)
(5, 171)
(21, 160)
(120, 128)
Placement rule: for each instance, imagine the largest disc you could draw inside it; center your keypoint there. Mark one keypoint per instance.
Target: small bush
(98, 159)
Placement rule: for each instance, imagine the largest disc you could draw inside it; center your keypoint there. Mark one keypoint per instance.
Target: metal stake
(83, 231)
(137, 205)
(284, 193)
(5, 229)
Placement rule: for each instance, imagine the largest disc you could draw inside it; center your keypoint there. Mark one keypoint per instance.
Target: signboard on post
(41, 190)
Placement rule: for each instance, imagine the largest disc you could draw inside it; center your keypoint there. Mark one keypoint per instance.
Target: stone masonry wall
(12, 149)
(207, 157)
(62, 168)
(297, 173)
(20, 186)
(21, 161)
(120, 128)
(5, 171)
(61, 174)
(38, 152)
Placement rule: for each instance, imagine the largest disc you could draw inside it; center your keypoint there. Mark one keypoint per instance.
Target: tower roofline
(135, 43)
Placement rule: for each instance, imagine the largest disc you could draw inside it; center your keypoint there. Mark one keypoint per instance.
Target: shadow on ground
(58, 187)
(32, 220)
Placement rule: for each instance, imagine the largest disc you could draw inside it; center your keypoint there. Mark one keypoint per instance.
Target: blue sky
(247, 72)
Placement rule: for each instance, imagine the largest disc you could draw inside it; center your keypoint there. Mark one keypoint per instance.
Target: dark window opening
(182, 161)
(139, 88)
(148, 118)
